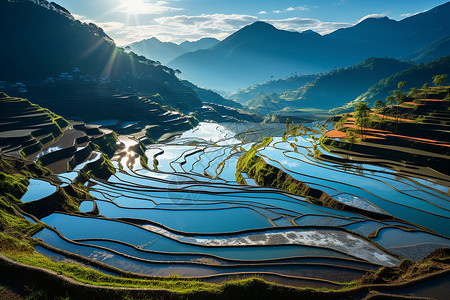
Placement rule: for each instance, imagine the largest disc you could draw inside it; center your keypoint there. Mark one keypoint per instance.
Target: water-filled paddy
(38, 189)
(189, 215)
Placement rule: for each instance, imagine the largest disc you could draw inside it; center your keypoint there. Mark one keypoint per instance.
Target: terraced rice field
(187, 215)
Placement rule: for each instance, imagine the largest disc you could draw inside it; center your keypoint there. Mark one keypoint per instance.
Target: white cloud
(376, 16)
(410, 15)
(340, 2)
(183, 27)
(82, 18)
(145, 7)
(110, 26)
(302, 24)
(263, 12)
(291, 9)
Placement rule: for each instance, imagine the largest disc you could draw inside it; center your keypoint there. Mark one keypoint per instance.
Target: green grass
(249, 162)
(107, 144)
(14, 185)
(94, 277)
(102, 170)
(267, 175)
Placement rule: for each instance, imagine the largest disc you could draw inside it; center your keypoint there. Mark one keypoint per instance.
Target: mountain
(203, 43)
(166, 51)
(431, 52)
(415, 76)
(156, 50)
(50, 42)
(336, 87)
(332, 88)
(209, 96)
(291, 83)
(267, 104)
(253, 54)
(259, 51)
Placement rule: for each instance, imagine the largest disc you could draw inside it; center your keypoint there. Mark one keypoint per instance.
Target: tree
(439, 80)
(351, 138)
(361, 116)
(288, 122)
(379, 104)
(413, 92)
(390, 100)
(398, 98)
(425, 87)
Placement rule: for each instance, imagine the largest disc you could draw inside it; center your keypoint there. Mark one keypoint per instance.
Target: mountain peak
(310, 32)
(371, 20)
(260, 25)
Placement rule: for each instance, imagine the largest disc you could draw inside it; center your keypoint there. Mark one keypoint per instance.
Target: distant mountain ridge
(279, 86)
(415, 76)
(438, 49)
(166, 51)
(336, 87)
(259, 51)
(330, 89)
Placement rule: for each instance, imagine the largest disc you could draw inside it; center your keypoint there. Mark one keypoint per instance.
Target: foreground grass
(93, 277)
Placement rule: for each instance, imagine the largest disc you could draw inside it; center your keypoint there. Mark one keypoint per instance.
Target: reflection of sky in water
(181, 202)
(127, 141)
(38, 189)
(356, 201)
(210, 132)
(47, 151)
(94, 157)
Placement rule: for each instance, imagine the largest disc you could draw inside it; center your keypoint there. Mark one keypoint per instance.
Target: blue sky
(179, 20)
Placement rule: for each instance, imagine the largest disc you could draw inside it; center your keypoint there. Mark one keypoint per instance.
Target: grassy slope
(265, 174)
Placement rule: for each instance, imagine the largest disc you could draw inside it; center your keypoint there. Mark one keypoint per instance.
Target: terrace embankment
(132, 113)
(26, 128)
(37, 134)
(412, 138)
(24, 265)
(436, 261)
(267, 175)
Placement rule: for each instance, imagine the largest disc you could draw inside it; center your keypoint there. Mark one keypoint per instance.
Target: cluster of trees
(398, 97)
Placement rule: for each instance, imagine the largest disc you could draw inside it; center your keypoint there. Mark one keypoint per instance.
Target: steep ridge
(52, 43)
